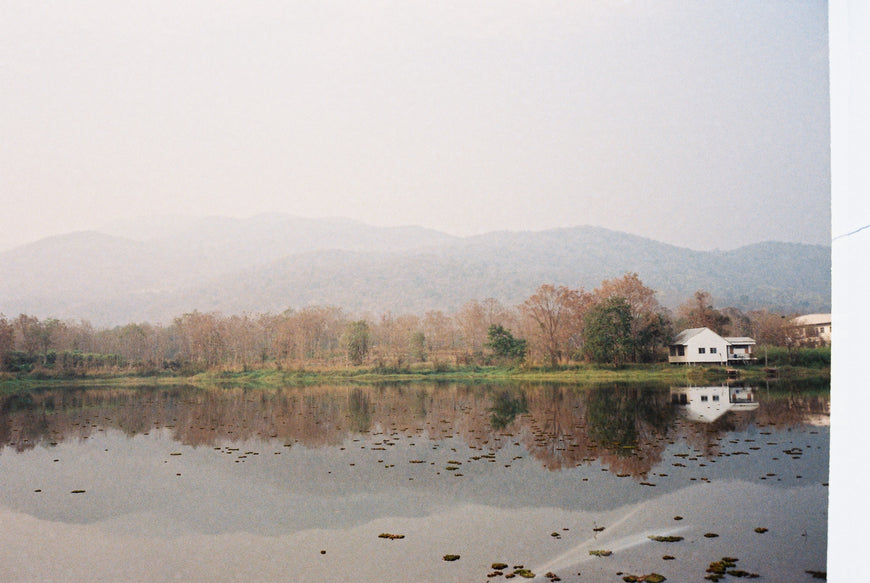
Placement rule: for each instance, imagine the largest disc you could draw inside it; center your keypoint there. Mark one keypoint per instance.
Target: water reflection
(707, 404)
(505, 408)
(626, 428)
(232, 484)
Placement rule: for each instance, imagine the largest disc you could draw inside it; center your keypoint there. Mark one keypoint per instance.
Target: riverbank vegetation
(617, 331)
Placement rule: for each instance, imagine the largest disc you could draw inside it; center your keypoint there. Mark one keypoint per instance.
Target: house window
(681, 351)
(703, 397)
(715, 397)
(712, 350)
(702, 350)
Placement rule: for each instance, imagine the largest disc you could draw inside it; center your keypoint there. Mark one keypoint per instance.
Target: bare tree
(557, 316)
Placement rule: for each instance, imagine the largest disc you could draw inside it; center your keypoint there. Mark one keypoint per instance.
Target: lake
(299, 484)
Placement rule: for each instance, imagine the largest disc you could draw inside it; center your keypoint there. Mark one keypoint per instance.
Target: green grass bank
(275, 377)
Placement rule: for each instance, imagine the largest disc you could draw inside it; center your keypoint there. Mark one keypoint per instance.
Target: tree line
(619, 322)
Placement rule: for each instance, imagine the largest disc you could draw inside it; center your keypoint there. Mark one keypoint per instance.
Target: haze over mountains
(155, 269)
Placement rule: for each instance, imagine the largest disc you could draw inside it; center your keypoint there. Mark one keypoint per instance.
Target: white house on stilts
(703, 346)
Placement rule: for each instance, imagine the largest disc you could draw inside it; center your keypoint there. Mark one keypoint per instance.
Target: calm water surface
(297, 484)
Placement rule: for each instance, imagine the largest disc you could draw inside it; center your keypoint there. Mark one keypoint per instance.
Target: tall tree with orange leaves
(556, 316)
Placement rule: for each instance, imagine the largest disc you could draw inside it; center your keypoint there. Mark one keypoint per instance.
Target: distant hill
(154, 270)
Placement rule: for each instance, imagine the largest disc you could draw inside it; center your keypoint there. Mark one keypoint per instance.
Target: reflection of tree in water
(793, 404)
(611, 421)
(630, 425)
(359, 411)
(506, 405)
(616, 417)
(28, 434)
(626, 428)
(421, 403)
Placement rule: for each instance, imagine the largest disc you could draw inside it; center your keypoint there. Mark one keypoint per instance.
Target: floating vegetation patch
(499, 566)
(760, 530)
(665, 539)
(717, 569)
(524, 573)
(710, 535)
(742, 573)
(391, 536)
(450, 557)
(650, 578)
(77, 492)
(726, 566)
(600, 553)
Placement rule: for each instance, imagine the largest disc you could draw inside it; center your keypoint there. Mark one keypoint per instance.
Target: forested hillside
(154, 271)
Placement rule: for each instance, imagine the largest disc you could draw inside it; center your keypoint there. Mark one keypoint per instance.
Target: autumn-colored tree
(739, 323)
(474, 319)
(246, 339)
(471, 322)
(313, 333)
(698, 312)
(393, 335)
(556, 314)
(201, 338)
(640, 298)
(35, 336)
(440, 334)
(769, 328)
(134, 342)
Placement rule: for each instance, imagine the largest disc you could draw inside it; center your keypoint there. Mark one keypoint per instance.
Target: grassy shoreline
(273, 377)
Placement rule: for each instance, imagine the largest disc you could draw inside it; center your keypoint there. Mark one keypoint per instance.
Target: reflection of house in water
(709, 403)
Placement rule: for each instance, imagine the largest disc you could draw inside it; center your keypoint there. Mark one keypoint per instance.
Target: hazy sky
(703, 124)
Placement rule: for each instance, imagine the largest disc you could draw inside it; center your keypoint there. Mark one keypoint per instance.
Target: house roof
(687, 334)
(812, 320)
(739, 340)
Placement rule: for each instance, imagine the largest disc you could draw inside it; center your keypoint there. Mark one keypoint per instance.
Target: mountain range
(158, 268)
